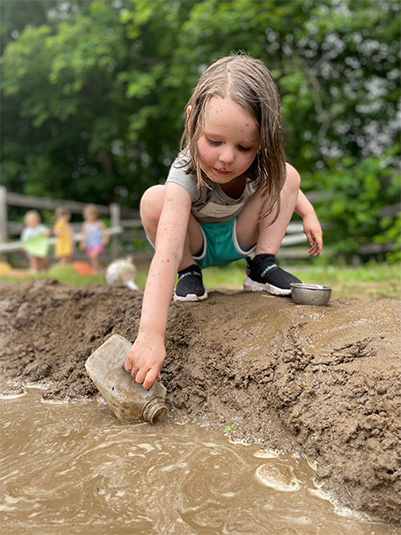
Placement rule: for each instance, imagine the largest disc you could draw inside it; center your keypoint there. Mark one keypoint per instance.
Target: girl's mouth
(221, 171)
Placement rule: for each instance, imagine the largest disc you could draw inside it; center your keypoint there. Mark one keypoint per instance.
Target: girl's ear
(189, 111)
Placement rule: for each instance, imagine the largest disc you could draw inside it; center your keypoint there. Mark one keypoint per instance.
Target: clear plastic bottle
(129, 401)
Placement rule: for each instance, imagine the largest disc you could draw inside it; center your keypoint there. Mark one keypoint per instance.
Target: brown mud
(319, 381)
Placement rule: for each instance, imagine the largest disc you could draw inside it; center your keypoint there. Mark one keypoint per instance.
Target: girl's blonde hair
(61, 211)
(32, 213)
(247, 82)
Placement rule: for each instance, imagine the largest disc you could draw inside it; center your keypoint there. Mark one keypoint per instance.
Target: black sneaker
(265, 275)
(190, 285)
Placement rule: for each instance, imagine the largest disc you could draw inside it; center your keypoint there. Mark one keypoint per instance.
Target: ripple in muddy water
(75, 469)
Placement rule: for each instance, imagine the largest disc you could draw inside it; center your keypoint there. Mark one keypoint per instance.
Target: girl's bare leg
(267, 236)
(151, 209)
(95, 263)
(263, 274)
(65, 260)
(34, 263)
(44, 264)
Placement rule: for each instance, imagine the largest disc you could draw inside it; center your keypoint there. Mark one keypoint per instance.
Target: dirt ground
(319, 381)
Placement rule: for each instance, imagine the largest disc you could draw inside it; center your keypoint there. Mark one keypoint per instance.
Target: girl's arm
(148, 352)
(105, 233)
(23, 234)
(312, 227)
(45, 231)
(71, 236)
(82, 243)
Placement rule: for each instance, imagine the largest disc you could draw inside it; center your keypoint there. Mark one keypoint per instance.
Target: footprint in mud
(278, 477)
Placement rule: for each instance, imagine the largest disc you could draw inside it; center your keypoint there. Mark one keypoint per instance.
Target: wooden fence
(129, 227)
(126, 227)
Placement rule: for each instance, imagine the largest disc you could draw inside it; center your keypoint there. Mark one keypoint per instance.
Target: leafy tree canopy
(93, 91)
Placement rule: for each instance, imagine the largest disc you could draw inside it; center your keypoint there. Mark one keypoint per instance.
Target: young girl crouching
(229, 194)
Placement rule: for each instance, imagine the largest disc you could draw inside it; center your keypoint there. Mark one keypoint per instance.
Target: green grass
(64, 273)
(370, 281)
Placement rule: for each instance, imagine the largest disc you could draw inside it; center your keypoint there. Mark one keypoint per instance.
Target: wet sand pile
(321, 381)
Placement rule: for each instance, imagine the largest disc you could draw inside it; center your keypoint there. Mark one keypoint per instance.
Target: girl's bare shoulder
(291, 171)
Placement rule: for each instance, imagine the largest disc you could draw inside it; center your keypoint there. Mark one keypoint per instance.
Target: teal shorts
(220, 244)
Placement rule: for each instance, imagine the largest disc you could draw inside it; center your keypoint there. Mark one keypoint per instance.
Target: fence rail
(14, 228)
(47, 203)
(124, 226)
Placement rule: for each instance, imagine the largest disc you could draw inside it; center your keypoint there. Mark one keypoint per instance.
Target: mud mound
(319, 381)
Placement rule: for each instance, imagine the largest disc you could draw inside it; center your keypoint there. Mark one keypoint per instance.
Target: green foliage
(93, 94)
(358, 191)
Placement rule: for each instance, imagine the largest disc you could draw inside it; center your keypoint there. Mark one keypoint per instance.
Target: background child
(34, 229)
(94, 237)
(229, 193)
(64, 235)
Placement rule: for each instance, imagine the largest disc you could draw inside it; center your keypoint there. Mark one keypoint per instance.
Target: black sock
(264, 257)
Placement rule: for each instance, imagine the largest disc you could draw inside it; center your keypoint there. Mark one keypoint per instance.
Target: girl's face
(90, 215)
(32, 220)
(229, 141)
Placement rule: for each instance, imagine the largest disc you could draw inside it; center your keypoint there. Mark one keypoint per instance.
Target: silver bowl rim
(312, 287)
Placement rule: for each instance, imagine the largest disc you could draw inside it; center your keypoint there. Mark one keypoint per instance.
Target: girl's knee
(152, 204)
(152, 199)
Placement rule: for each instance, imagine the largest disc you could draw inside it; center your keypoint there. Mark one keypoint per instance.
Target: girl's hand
(314, 234)
(311, 224)
(145, 360)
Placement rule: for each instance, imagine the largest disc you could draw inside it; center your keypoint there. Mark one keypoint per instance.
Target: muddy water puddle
(75, 469)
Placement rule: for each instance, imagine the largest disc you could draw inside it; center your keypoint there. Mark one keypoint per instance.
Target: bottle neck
(154, 411)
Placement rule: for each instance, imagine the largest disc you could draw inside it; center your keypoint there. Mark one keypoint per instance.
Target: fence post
(3, 218)
(115, 219)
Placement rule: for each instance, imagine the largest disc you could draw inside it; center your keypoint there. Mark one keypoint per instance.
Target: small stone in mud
(277, 476)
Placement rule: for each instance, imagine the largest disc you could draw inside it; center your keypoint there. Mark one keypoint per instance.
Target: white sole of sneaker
(190, 297)
(252, 286)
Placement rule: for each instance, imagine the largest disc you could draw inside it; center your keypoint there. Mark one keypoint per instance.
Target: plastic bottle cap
(155, 411)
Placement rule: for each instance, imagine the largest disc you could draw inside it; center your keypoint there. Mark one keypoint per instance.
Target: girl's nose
(226, 154)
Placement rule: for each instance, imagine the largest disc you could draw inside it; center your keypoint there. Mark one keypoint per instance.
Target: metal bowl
(310, 294)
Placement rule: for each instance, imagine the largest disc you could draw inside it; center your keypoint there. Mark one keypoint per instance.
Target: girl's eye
(217, 143)
(213, 142)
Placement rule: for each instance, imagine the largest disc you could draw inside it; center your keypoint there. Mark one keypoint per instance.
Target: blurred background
(93, 94)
